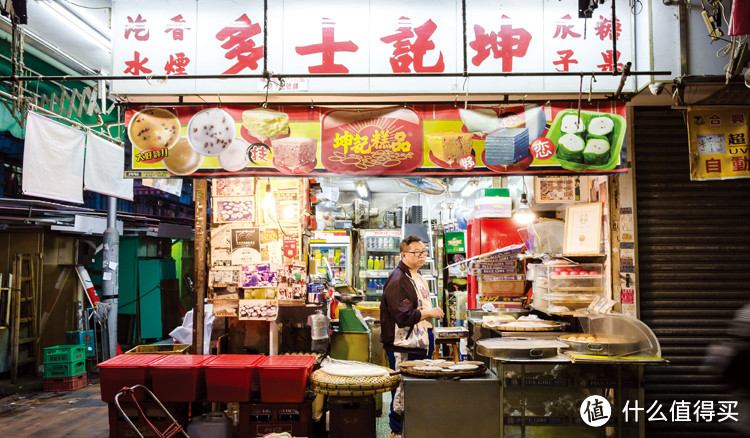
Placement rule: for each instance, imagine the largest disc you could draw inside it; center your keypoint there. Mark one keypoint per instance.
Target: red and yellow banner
(418, 140)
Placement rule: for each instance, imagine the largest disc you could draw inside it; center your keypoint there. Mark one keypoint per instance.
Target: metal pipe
(321, 76)
(625, 71)
(110, 266)
(615, 58)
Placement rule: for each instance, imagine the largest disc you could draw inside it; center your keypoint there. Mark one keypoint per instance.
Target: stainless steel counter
(466, 407)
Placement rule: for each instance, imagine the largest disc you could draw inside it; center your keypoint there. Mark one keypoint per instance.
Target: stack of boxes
(65, 368)
(493, 203)
(501, 278)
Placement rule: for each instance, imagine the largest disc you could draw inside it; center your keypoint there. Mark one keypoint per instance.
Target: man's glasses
(418, 253)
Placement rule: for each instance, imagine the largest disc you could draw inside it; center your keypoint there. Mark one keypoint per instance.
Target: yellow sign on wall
(719, 146)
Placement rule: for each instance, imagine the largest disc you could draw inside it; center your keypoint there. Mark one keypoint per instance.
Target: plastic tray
(283, 378)
(125, 370)
(179, 377)
(618, 139)
(230, 377)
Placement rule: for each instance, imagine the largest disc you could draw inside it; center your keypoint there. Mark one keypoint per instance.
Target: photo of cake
(264, 123)
(211, 131)
(295, 154)
(449, 147)
(154, 128)
(506, 147)
(479, 120)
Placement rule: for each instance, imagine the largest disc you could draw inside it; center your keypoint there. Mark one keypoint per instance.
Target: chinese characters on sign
(210, 38)
(719, 146)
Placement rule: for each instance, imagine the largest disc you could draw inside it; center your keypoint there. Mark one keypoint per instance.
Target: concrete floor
(30, 412)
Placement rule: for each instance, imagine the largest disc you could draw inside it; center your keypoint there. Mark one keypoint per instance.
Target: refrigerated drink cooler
(335, 248)
(379, 254)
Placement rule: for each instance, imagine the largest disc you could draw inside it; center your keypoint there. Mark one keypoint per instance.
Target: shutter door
(694, 266)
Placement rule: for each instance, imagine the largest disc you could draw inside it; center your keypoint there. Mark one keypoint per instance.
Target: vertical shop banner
(229, 37)
(417, 141)
(719, 146)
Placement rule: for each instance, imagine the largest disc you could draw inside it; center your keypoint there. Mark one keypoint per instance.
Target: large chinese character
(239, 36)
(704, 410)
(176, 64)
(328, 49)
(594, 410)
(607, 57)
(381, 139)
(656, 413)
(344, 141)
(737, 139)
(738, 118)
(636, 410)
(713, 165)
(177, 27)
(137, 27)
(740, 164)
(407, 53)
(563, 29)
(727, 411)
(137, 65)
(566, 58)
(506, 44)
(604, 28)
(361, 145)
(401, 143)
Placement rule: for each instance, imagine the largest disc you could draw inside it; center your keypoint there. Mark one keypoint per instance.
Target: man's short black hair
(408, 241)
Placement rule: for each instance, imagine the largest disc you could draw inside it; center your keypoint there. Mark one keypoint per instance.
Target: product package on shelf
(500, 276)
(561, 289)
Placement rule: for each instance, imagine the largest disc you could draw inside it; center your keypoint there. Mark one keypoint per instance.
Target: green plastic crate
(64, 354)
(66, 369)
(85, 338)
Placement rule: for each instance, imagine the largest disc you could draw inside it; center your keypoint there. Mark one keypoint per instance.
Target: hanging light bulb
(523, 214)
(268, 202)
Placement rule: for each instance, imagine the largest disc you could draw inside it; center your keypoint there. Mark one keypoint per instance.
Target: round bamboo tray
(410, 368)
(340, 386)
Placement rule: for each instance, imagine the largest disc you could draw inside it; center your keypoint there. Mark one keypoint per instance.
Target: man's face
(415, 256)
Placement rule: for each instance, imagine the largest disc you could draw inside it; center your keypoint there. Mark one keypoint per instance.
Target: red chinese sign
(377, 142)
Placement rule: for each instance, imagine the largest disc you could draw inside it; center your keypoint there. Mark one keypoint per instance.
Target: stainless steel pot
(518, 348)
(601, 345)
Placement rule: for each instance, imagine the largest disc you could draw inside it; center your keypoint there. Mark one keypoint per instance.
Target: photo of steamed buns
(211, 131)
(154, 128)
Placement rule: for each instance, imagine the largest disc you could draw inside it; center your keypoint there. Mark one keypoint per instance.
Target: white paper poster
(104, 166)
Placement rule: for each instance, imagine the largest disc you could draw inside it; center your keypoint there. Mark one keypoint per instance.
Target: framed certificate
(583, 229)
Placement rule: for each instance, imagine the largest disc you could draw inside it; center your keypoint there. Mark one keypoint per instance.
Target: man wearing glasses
(406, 301)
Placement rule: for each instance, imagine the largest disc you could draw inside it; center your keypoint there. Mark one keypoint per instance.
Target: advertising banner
(718, 143)
(418, 140)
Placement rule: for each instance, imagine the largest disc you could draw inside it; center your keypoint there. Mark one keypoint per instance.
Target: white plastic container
(493, 207)
(213, 425)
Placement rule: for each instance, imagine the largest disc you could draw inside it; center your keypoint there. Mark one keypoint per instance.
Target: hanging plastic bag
(184, 333)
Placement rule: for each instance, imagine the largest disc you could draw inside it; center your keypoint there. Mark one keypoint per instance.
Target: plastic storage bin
(56, 384)
(179, 377)
(283, 378)
(64, 369)
(64, 353)
(230, 377)
(125, 370)
(160, 349)
(85, 338)
(259, 419)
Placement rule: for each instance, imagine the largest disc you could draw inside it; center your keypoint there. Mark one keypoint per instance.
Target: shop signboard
(367, 37)
(554, 138)
(719, 147)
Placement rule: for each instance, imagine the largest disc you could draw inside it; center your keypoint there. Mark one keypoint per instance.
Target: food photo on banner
(418, 140)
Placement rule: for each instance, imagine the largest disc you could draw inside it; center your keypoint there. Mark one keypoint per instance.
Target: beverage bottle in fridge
(370, 263)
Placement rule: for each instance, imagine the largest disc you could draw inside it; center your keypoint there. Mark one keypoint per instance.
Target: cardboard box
(512, 288)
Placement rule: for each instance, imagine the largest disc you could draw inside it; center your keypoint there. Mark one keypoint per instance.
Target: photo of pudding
(211, 131)
(182, 159)
(264, 123)
(235, 157)
(295, 154)
(154, 128)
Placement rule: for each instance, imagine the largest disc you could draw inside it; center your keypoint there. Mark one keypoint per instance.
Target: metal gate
(694, 266)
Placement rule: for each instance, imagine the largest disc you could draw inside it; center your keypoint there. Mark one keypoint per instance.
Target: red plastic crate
(125, 370)
(179, 377)
(119, 427)
(55, 384)
(230, 377)
(283, 378)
